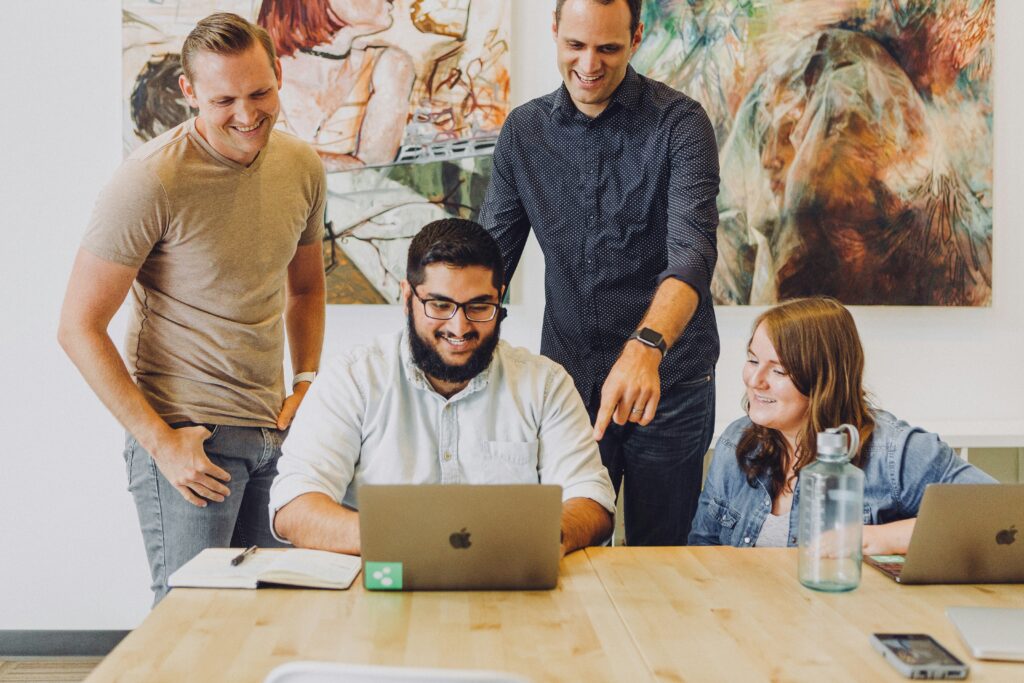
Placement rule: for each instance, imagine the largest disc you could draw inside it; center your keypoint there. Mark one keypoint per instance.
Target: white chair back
(336, 672)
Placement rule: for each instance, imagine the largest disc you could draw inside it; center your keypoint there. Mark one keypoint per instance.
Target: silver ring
(637, 410)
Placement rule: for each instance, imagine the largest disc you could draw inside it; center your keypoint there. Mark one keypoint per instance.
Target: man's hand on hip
(183, 462)
(291, 405)
(632, 390)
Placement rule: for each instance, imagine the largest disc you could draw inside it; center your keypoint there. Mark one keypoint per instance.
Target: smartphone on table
(918, 655)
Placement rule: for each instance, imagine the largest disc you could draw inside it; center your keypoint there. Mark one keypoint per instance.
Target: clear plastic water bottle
(832, 514)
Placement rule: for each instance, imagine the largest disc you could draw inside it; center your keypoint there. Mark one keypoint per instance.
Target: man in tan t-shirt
(215, 227)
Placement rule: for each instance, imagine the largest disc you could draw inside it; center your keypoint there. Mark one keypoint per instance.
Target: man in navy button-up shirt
(617, 175)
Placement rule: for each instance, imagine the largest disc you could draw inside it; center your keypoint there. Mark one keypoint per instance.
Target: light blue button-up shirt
(371, 417)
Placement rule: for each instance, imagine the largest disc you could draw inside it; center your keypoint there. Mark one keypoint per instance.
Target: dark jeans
(662, 463)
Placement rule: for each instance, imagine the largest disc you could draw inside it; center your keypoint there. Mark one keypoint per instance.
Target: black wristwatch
(646, 335)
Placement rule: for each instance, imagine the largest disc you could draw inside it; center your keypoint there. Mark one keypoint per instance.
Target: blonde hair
(224, 33)
(817, 343)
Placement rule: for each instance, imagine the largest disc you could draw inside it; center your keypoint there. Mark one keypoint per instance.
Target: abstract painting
(402, 99)
(855, 141)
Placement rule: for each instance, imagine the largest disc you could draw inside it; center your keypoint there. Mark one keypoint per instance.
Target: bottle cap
(833, 445)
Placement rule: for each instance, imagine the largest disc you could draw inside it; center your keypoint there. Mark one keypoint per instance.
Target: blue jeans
(175, 530)
(662, 463)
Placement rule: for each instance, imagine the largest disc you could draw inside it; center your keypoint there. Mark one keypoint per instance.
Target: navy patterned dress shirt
(618, 203)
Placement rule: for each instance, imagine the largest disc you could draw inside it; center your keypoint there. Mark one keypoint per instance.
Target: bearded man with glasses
(444, 402)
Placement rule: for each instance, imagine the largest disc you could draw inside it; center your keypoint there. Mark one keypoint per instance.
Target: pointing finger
(604, 414)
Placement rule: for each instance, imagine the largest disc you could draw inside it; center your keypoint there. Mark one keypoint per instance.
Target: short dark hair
(456, 242)
(635, 7)
(224, 33)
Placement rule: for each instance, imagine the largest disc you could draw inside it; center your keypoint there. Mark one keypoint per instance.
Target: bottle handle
(853, 438)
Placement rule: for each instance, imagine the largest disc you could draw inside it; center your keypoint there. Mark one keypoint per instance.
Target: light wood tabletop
(618, 614)
(709, 614)
(572, 633)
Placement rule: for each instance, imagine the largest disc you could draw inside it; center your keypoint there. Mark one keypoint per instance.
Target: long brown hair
(818, 345)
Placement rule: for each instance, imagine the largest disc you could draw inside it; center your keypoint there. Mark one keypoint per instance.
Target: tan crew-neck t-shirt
(212, 240)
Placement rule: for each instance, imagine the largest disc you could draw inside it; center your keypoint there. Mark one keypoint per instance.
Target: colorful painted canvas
(402, 99)
(855, 140)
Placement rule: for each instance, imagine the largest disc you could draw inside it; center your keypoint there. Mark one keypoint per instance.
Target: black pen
(240, 557)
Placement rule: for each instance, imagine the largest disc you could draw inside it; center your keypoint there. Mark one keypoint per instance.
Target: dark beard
(429, 361)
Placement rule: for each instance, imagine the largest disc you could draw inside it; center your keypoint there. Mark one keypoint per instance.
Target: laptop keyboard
(890, 564)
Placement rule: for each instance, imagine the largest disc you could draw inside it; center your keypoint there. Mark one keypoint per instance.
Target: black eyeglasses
(443, 309)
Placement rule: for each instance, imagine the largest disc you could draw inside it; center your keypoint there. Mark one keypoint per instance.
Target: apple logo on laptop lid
(460, 539)
(1007, 536)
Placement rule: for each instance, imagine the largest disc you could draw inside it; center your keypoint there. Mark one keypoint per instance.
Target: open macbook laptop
(991, 632)
(965, 533)
(460, 537)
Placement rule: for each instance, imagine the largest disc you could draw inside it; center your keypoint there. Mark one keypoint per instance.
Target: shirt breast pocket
(727, 519)
(506, 462)
(641, 197)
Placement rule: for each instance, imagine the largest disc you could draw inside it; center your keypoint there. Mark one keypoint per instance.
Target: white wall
(71, 554)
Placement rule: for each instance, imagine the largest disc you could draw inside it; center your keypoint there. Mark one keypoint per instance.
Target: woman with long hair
(803, 374)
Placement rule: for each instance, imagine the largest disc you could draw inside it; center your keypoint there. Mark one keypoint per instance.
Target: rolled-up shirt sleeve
(322, 448)
(568, 454)
(692, 202)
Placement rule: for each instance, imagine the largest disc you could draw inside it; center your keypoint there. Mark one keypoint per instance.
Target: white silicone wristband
(303, 377)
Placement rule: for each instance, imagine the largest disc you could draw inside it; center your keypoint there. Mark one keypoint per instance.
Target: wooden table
(618, 614)
(709, 614)
(572, 633)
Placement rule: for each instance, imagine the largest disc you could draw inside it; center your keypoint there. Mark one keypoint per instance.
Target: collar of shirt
(415, 376)
(627, 95)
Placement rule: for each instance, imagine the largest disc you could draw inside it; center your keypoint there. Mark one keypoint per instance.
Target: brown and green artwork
(402, 99)
(855, 140)
(376, 213)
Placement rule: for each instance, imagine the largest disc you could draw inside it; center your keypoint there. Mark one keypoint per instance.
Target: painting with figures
(402, 99)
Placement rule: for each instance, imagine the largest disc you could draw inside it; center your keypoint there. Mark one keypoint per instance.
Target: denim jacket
(901, 461)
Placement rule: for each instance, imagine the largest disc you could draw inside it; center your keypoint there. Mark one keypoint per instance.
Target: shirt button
(746, 539)
(447, 456)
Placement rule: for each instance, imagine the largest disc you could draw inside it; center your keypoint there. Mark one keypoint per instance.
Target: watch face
(649, 336)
